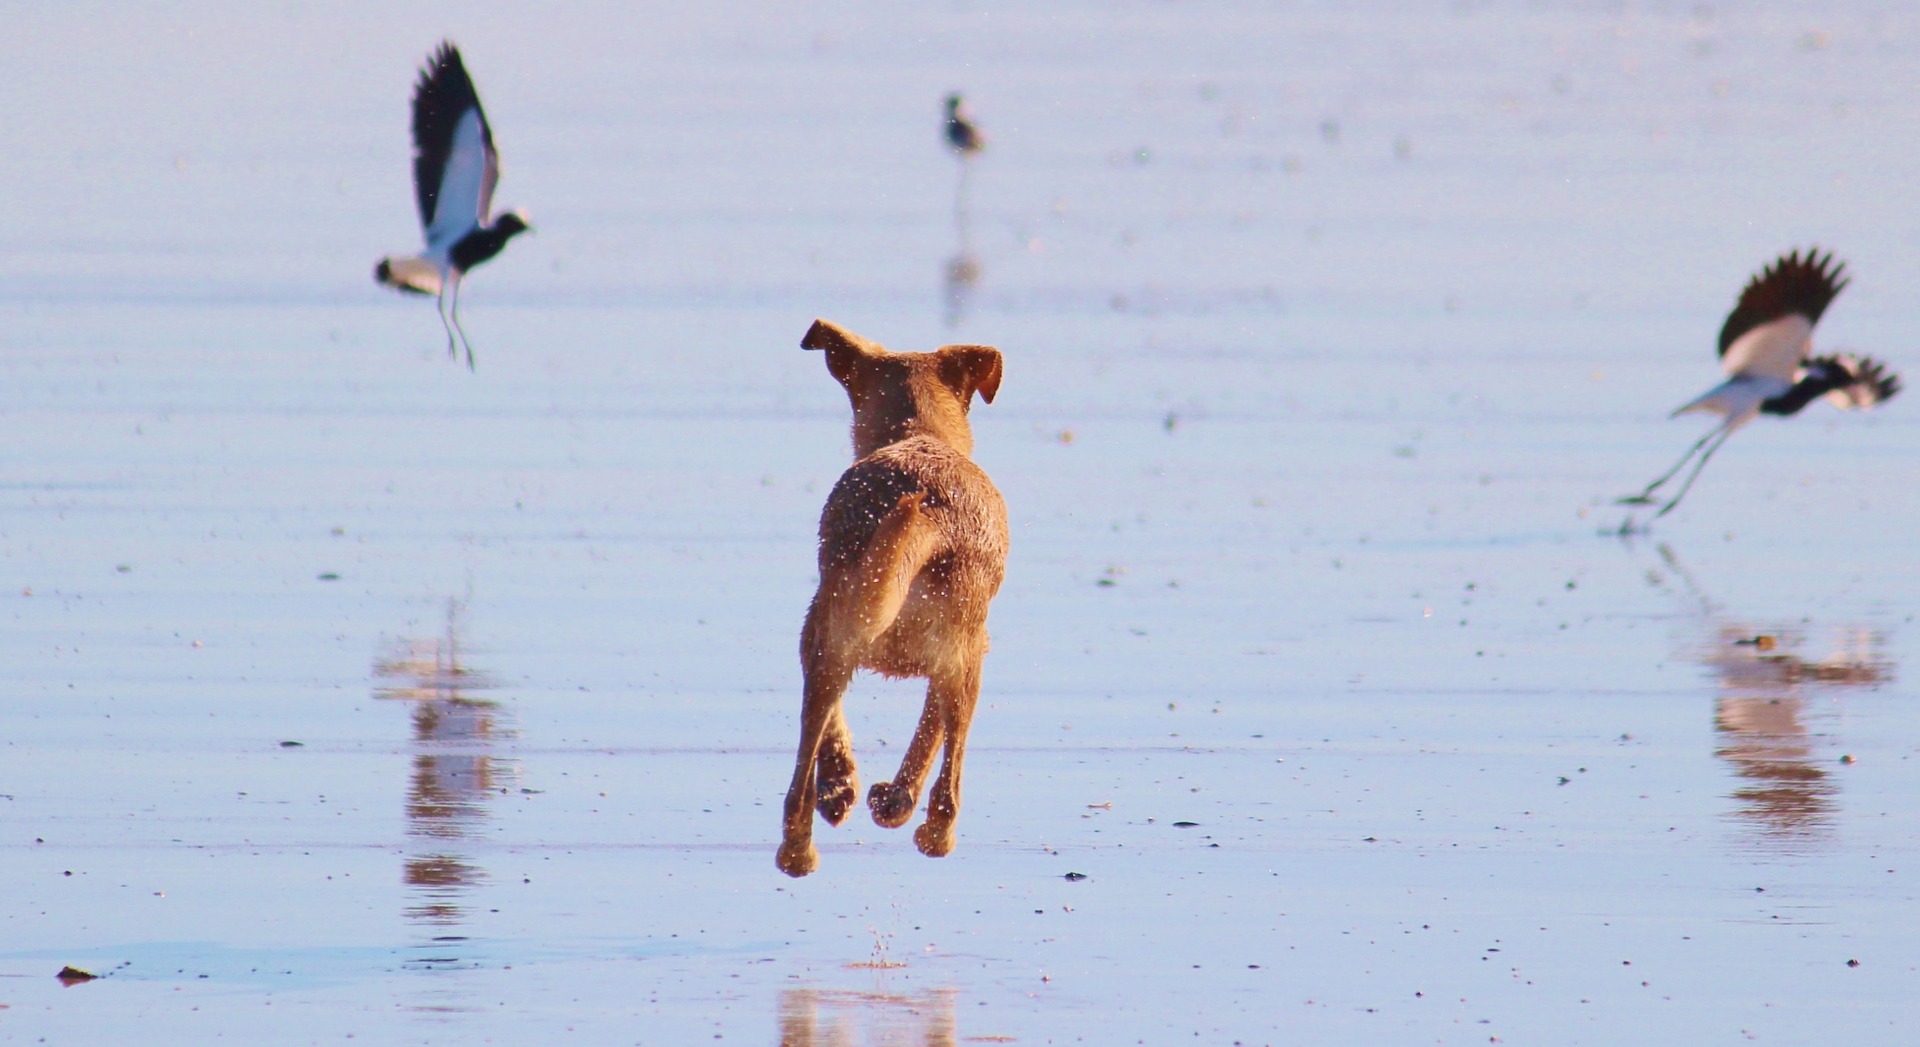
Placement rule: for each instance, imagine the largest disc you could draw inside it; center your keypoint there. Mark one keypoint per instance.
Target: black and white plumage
(455, 168)
(963, 135)
(1765, 348)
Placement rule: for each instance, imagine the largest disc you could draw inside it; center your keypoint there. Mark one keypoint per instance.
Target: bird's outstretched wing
(1768, 331)
(454, 162)
(1858, 382)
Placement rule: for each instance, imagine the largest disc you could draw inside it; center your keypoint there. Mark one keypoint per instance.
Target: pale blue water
(1331, 332)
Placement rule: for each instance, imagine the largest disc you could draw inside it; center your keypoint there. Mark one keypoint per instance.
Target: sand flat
(353, 695)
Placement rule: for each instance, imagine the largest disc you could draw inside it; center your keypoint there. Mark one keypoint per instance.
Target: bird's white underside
(1772, 350)
(1738, 398)
(1765, 363)
(461, 205)
(459, 208)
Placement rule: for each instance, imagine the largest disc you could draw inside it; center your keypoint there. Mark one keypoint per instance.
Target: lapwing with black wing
(455, 168)
(1766, 349)
(963, 135)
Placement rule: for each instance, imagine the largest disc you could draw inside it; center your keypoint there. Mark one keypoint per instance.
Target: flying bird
(455, 168)
(1765, 348)
(963, 136)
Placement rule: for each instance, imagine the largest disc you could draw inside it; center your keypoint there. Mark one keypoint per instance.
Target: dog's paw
(837, 798)
(892, 806)
(797, 860)
(934, 843)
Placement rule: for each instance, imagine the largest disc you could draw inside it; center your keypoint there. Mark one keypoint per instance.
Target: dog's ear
(970, 369)
(843, 347)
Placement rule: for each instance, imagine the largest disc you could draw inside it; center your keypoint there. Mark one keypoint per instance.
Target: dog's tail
(871, 596)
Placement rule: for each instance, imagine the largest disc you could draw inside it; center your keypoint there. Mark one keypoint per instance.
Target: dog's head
(898, 395)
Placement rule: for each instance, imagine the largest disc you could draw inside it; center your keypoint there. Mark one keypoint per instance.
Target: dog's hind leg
(892, 803)
(955, 692)
(827, 671)
(836, 778)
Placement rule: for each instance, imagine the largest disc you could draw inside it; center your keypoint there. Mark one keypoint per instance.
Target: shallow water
(355, 695)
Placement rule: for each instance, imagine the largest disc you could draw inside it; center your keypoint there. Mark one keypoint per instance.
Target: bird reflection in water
(1773, 681)
(456, 767)
(961, 273)
(841, 1018)
(958, 280)
(1768, 685)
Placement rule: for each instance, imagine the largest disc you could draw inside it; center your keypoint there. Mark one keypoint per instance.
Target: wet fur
(913, 547)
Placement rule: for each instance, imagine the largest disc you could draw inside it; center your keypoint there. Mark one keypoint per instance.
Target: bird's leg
(464, 340)
(1646, 497)
(440, 304)
(1701, 464)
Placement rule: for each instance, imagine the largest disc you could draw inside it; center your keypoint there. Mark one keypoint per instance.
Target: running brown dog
(913, 546)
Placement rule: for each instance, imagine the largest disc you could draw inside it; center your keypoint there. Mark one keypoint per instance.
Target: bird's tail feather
(411, 275)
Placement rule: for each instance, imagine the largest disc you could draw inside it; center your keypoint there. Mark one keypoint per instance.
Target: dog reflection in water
(830, 1018)
(455, 767)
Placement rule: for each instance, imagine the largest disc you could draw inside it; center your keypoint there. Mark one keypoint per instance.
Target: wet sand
(355, 695)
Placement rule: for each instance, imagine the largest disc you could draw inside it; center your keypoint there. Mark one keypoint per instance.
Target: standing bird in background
(962, 136)
(455, 168)
(961, 273)
(1764, 348)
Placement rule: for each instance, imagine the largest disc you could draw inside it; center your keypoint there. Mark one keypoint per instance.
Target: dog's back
(914, 540)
